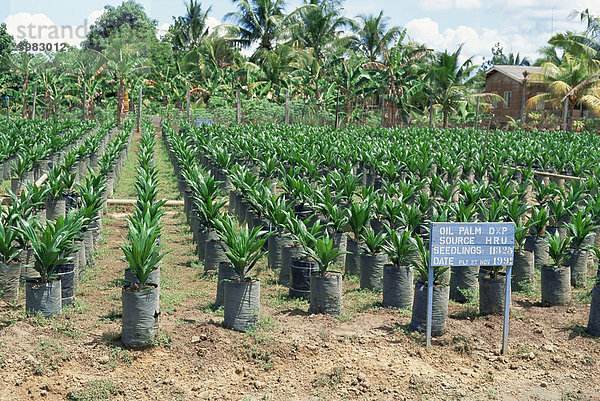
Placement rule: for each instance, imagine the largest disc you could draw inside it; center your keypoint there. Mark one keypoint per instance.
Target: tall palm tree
(123, 62)
(190, 30)
(23, 64)
(319, 27)
(89, 66)
(575, 79)
(449, 81)
(400, 75)
(373, 37)
(257, 22)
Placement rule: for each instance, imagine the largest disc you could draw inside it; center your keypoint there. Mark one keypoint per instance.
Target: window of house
(495, 100)
(540, 104)
(507, 96)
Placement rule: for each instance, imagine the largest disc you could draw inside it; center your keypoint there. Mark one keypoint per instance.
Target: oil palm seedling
(242, 296)
(398, 273)
(539, 221)
(372, 260)
(325, 284)
(51, 246)
(523, 265)
(556, 275)
(359, 215)
(581, 230)
(10, 266)
(440, 293)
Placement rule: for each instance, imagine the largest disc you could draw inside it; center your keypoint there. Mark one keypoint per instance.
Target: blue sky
(520, 25)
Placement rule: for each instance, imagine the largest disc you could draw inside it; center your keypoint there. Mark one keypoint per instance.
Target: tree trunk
(119, 102)
(445, 118)
(46, 101)
(25, 86)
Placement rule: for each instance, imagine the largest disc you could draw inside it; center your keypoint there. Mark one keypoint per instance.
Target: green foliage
(359, 217)
(52, 244)
(374, 243)
(580, 227)
(244, 247)
(127, 19)
(422, 265)
(142, 252)
(8, 242)
(539, 221)
(399, 247)
(557, 249)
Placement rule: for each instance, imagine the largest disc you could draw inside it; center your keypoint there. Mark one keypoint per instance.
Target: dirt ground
(365, 354)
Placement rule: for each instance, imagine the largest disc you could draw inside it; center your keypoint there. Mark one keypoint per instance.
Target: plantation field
(366, 353)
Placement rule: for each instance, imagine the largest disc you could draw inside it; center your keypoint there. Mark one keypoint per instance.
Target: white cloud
(436, 4)
(212, 23)
(39, 28)
(162, 29)
(467, 4)
(94, 15)
(475, 43)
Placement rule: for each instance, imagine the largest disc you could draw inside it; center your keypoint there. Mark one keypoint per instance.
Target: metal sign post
(471, 244)
(7, 109)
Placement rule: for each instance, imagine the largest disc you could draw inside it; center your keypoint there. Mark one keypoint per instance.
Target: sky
(522, 26)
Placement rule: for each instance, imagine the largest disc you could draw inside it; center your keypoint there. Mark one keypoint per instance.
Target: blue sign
(200, 122)
(472, 244)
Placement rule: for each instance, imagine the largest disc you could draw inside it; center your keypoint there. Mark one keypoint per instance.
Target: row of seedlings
(221, 244)
(432, 199)
(140, 294)
(47, 145)
(57, 246)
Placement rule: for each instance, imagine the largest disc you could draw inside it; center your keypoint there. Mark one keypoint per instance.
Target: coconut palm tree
(188, 31)
(450, 80)
(373, 38)
(318, 27)
(257, 22)
(123, 61)
(574, 80)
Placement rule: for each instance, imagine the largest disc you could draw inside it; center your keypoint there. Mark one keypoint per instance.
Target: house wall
(500, 83)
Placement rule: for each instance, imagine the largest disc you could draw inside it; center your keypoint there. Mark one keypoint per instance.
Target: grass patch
(48, 355)
(66, 327)
(170, 300)
(462, 345)
(125, 189)
(210, 308)
(332, 379)
(280, 299)
(112, 315)
(78, 308)
(164, 338)
(97, 390)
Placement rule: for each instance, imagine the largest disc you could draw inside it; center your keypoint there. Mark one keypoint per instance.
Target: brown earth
(365, 354)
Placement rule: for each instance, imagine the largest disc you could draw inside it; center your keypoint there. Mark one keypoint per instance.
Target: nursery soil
(367, 353)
